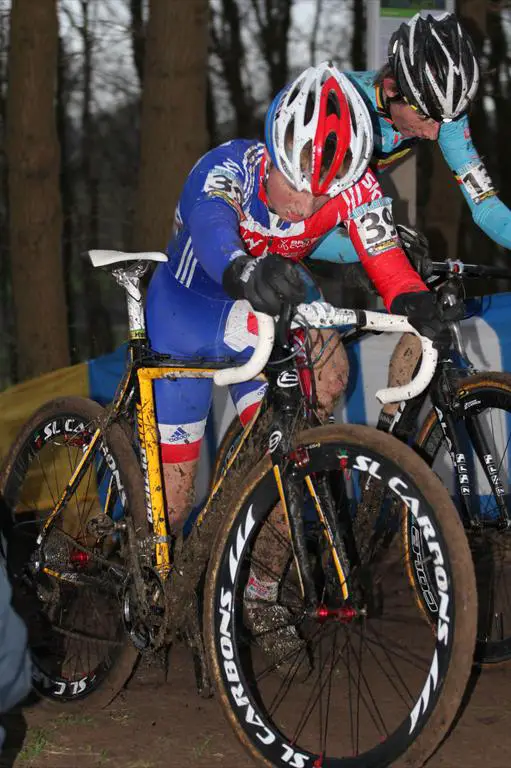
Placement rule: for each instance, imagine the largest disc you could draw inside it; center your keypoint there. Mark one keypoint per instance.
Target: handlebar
(455, 267)
(322, 315)
(260, 355)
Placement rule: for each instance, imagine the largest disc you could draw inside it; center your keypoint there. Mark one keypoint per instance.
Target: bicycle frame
(443, 393)
(146, 366)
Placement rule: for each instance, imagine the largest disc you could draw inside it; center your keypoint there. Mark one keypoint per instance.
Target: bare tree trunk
(358, 53)
(35, 206)
(473, 16)
(138, 36)
(99, 335)
(274, 19)
(173, 125)
(228, 46)
(66, 193)
(314, 33)
(7, 325)
(211, 121)
(440, 217)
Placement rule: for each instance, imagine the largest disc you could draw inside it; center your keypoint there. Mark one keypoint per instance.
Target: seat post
(130, 281)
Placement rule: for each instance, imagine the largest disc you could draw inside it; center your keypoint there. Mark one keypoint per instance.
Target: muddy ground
(158, 724)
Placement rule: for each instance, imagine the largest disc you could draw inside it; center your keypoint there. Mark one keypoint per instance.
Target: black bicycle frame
(443, 391)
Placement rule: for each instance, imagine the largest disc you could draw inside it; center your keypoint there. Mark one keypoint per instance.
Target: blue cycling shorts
(188, 325)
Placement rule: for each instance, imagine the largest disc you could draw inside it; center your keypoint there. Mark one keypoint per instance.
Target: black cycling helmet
(435, 66)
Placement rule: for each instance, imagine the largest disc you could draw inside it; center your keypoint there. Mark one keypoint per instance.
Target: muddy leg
(272, 549)
(179, 492)
(402, 365)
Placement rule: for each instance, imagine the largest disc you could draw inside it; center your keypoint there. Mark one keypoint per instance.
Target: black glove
(266, 282)
(425, 314)
(416, 247)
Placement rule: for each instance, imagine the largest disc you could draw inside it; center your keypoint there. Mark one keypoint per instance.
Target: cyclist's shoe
(274, 632)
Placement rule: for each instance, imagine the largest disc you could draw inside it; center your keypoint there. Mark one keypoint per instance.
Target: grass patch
(36, 742)
(71, 719)
(200, 749)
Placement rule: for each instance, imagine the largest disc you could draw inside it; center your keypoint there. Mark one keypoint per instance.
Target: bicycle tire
(54, 418)
(490, 390)
(225, 449)
(248, 509)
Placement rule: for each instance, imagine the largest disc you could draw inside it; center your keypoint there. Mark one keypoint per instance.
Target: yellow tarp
(18, 403)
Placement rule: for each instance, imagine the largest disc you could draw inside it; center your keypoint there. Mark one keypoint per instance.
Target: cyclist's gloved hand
(266, 282)
(416, 247)
(451, 296)
(425, 314)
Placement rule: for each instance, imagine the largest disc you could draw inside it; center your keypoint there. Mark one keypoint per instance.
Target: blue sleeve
(488, 212)
(212, 205)
(215, 232)
(15, 665)
(335, 247)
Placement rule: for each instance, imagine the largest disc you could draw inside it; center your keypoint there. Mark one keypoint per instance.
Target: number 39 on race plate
(376, 230)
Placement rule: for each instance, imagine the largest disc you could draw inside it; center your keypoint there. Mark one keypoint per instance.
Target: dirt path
(154, 724)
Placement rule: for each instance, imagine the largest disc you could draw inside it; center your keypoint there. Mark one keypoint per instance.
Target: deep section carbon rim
(484, 409)
(355, 684)
(67, 587)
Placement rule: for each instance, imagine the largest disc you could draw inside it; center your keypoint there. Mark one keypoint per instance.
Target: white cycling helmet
(318, 131)
(435, 65)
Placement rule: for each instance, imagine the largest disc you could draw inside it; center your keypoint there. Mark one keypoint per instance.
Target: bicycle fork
(293, 483)
(291, 492)
(484, 455)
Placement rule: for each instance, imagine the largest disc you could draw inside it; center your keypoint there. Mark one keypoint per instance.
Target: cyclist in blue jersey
(248, 213)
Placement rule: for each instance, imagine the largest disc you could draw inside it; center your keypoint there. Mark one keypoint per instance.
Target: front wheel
(483, 426)
(382, 684)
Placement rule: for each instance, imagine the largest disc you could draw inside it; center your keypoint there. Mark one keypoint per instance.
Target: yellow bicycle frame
(149, 445)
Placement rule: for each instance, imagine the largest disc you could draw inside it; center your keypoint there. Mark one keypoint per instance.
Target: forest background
(105, 105)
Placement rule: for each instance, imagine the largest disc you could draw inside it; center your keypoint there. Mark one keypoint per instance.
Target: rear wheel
(70, 578)
(483, 423)
(381, 683)
(226, 449)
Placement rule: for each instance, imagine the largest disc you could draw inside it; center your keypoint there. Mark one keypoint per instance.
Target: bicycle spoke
(78, 630)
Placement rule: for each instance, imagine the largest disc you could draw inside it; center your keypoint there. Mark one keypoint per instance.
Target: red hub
(344, 614)
(78, 558)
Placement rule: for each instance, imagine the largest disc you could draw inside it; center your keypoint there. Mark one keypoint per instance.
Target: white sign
(385, 16)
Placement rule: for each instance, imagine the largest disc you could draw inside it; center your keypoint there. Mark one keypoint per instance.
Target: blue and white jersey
(455, 142)
(223, 212)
